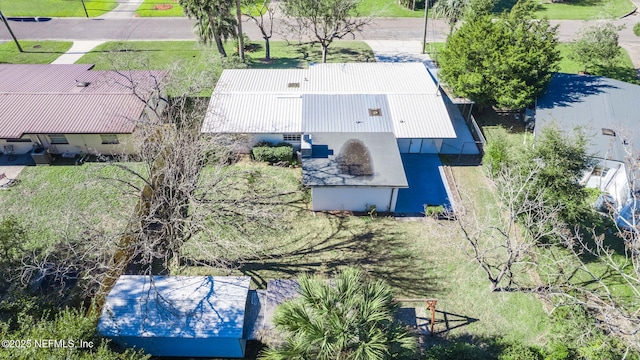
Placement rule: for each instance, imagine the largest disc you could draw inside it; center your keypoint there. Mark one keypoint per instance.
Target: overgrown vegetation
(270, 153)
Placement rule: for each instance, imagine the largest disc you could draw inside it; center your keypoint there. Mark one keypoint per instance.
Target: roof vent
(293, 85)
(375, 112)
(82, 83)
(608, 132)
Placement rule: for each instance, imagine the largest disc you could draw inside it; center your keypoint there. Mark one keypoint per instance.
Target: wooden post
(431, 305)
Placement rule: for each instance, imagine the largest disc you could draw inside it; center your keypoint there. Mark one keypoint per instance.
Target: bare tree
(256, 10)
(192, 207)
(323, 21)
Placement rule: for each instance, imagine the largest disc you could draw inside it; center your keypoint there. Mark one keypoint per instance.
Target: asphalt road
(181, 29)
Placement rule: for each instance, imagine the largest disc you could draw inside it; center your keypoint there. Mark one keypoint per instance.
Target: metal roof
(345, 113)
(176, 306)
(383, 153)
(262, 81)
(370, 78)
(420, 116)
(45, 99)
(592, 103)
(334, 97)
(254, 113)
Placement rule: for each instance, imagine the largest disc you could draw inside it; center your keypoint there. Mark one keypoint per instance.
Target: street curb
(629, 14)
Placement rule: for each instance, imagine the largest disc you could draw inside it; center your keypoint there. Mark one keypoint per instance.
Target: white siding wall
(92, 143)
(351, 198)
(18, 147)
(274, 139)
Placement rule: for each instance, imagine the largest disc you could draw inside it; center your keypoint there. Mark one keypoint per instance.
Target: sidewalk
(399, 51)
(125, 10)
(77, 50)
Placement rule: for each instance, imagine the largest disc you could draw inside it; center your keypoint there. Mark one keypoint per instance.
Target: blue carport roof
(426, 186)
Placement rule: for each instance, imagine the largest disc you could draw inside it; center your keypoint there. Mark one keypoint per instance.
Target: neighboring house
(69, 109)
(353, 123)
(608, 112)
(182, 316)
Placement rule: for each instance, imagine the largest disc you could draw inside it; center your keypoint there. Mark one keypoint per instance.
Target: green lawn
(386, 8)
(584, 9)
(35, 52)
(56, 8)
(52, 200)
(152, 8)
(418, 258)
(623, 69)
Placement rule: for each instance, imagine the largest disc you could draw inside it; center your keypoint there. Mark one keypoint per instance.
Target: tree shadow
(565, 89)
(621, 73)
(367, 244)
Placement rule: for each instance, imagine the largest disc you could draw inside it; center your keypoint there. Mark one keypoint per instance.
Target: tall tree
(351, 317)
(324, 21)
(596, 46)
(257, 10)
(214, 21)
(451, 10)
(504, 62)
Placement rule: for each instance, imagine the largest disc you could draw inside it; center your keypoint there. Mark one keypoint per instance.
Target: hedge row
(272, 154)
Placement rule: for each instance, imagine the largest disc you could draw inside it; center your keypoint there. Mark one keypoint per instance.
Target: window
(109, 139)
(608, 132)
(18, 140)
(58, 139)
(291, 137)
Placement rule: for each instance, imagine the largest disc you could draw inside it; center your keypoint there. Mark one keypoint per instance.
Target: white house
(72, 109)
(390, 109)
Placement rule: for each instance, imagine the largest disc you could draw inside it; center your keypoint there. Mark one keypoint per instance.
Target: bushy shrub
(520, 352)
(636, 29)
(456, 350)
(273, 154)
(496, 155)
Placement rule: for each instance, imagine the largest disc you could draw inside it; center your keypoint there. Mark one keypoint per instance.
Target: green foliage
(451, 10)
(350, 318)
(433, 211)
(520, 352)
(564, 159)
(504, 62)
(214, 20)
(12, 237)
(496, 154)
(575, 334)
(273, 154)
(455, 350)
(29, 320)
(597, 46)
(636, 29)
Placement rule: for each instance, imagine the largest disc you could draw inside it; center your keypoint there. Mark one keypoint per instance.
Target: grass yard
(419, 259)
(623, 70)
(35, 52)
(56, 8)
(159, 8)
(584, 9)
(58, 200)
(386, 8)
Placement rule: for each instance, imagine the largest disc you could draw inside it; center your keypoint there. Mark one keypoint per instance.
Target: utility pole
(426, 19)
(85, 8)
(4, 20)
(240, 35)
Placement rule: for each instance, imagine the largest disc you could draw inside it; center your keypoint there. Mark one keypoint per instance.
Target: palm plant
(351, 318)
(214, 21)
(451, 10)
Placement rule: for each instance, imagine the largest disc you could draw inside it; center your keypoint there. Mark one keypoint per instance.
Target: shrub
(496, 155)
(457, 350)
(273, 154)
(636, 29)
(433, 210)
(520, 352)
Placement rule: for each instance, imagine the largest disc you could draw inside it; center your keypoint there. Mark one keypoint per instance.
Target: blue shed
(186, 316)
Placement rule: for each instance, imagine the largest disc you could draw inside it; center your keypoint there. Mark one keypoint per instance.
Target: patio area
(426, 186)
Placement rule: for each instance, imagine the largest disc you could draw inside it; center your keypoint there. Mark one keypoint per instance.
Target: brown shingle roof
(44, 99)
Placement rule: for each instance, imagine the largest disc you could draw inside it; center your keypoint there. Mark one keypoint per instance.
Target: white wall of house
(92, 144)
(419, 146)
(610, 177)
(274, 139)
(352, 198)
(17, 147)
